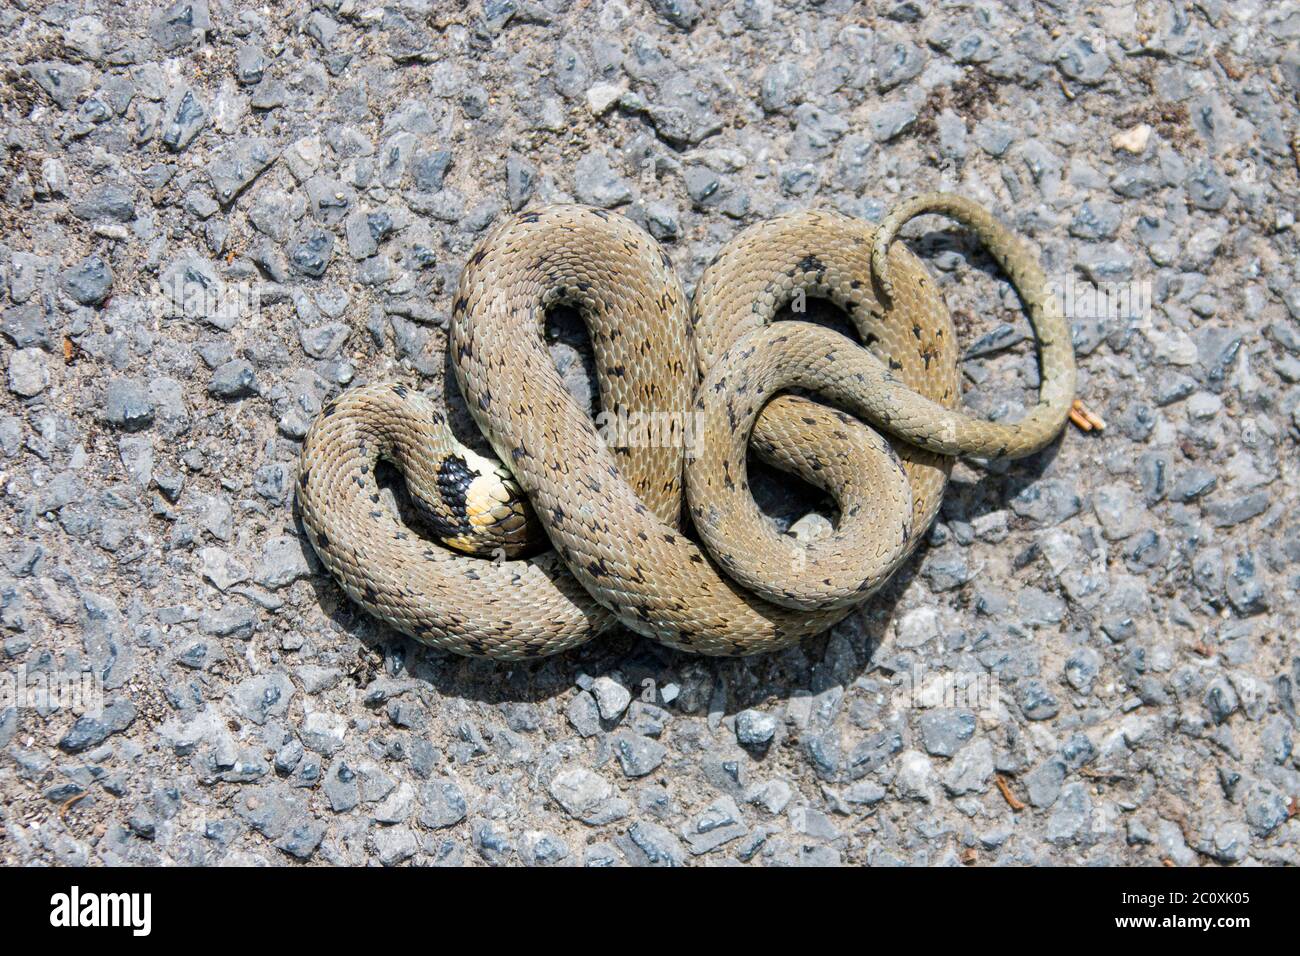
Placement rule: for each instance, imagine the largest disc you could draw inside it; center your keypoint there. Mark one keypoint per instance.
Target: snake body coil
(720, 369)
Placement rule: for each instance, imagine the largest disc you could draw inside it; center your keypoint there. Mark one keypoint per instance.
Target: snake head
(480, 509)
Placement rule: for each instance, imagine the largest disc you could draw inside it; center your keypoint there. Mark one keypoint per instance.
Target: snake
(574, 528)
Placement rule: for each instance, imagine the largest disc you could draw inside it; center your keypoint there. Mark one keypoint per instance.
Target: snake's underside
(693, 387)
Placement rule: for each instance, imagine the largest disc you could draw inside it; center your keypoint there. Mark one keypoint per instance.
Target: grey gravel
(28, 372)
(218, 218)
(233, 379)
(89, 280)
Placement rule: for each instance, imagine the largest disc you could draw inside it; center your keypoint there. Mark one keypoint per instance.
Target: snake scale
(671, 544)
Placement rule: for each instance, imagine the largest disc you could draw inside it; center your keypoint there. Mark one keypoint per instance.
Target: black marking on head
(454, 479)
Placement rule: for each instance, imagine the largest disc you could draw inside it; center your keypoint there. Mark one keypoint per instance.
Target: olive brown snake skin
(882, 443)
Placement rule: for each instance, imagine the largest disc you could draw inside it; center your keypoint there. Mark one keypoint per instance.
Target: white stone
(1132, 140)
(602, 97)
(29, 373)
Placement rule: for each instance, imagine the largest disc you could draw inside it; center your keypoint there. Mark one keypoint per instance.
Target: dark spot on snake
(400, 391)
(895, 365)
(810, 263)
(322, 541)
